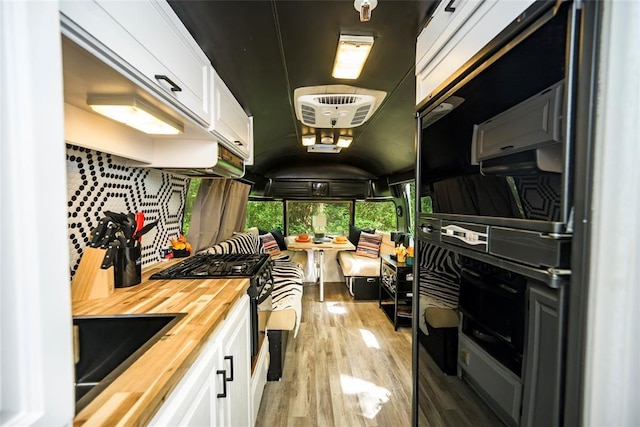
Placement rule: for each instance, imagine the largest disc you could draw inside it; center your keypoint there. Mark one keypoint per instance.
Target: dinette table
(319, 246)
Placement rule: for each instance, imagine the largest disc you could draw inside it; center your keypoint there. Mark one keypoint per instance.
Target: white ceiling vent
(336, 106)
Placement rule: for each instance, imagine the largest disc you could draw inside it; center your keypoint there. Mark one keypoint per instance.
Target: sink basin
(110, 344)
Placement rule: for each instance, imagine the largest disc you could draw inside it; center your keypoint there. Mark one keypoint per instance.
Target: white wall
(612, 373)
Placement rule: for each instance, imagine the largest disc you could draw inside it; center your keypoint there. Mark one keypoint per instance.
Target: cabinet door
(230, 121)
(150, 38)
(533, 123)
(234, 363)
(456, 32)
(190, 403)
(542, 384)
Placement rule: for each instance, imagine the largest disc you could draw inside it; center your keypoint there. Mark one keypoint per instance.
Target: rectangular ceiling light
(308, 140)
(344, 141)
(132, 111)
(351, 55)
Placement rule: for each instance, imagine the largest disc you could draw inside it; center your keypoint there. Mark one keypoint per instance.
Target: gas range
(206, 265)
(257, 267)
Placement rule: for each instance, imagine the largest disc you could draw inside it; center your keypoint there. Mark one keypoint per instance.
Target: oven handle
(477, 280)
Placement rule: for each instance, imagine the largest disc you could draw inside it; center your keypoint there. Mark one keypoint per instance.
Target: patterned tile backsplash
(99, 182)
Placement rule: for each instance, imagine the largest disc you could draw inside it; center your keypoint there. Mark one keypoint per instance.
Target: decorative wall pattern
(99, 182)
(540, 196)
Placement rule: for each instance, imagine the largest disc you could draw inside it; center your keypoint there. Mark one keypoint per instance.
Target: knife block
(91, 281)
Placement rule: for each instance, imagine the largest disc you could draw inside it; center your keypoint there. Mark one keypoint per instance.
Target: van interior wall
(99, 182)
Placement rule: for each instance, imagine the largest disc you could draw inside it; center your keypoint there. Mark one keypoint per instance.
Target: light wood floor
(348, 367)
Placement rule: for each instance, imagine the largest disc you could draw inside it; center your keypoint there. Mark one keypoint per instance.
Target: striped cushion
(241, 243)
(369, 245)
(269, 244)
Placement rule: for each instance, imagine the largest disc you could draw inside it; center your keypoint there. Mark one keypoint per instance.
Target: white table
(319, 248)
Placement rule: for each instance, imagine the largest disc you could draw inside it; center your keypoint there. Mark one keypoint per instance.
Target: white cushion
(357, 265)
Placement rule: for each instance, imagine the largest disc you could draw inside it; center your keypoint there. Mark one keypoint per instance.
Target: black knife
(110, 255)
(109, 235)
(144, 230)
(96, 235)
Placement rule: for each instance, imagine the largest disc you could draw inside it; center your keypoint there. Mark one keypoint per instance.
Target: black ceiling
(264, 50)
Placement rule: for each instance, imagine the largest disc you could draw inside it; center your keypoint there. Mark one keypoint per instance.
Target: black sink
(110, 344)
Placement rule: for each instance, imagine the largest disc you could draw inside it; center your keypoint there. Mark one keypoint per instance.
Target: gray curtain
(220, 209)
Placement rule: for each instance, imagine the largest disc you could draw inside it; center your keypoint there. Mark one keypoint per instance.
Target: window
(426, 205)
(300, 216)
(192, 192)
(380, 215)
(266, 215)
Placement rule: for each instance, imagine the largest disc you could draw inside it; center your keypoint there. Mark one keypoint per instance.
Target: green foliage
(378, 215)
(300, 216)
(426, 204)
(192, 192)
(265, 215)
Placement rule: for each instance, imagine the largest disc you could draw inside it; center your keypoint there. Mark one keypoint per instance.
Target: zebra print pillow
(439, 275)
(241, 243)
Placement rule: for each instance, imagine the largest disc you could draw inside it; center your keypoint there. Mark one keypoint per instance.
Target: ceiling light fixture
(344, 141)
(352, 53)
(308, 140)
(132, 111)
(365, 7)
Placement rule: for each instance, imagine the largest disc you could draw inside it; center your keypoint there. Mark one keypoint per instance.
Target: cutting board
(91, 281)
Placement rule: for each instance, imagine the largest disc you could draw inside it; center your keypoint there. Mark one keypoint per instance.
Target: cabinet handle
(174, 86)
(427, 228)
(507, 147)
(449, 7)
(237, 143)
(224, 383)
(231, 367)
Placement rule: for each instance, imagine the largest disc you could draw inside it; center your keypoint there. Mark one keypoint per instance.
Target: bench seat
(358, 265)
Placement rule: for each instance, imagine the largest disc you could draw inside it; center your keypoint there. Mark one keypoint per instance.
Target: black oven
(492, 301)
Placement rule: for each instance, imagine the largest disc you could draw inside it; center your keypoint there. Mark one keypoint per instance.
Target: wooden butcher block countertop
(135, 396)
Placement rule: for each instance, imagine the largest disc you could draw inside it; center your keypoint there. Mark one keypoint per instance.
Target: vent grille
(360, 115)
(337, 99)
(308, 114)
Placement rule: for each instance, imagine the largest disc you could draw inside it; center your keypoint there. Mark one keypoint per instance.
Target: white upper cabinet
(149, 37)
(457, 31)
(230, 121)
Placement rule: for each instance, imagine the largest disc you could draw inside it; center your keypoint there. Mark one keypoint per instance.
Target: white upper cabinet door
(230, 121)
(150, 38)
(457, 31)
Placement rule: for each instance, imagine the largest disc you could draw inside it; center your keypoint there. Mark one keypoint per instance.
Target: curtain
(220, 209)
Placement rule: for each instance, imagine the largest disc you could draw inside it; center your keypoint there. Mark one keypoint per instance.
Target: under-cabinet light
(132, 111)
(344, 141)
(308, 140)
(352, 53)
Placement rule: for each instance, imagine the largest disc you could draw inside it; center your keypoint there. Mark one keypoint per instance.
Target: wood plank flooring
(348, 367)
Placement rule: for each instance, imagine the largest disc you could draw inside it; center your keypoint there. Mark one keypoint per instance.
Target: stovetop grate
(214, 265)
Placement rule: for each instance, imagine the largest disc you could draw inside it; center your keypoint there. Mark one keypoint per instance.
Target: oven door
(492, 302)
(493, 308)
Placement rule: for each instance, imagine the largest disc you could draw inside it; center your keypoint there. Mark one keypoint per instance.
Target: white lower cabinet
(216, 389)
(231, 387)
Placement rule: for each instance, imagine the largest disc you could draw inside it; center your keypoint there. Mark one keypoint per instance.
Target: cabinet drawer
(429, 229)
(533, 123)
(451, 39)
(498, 385)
